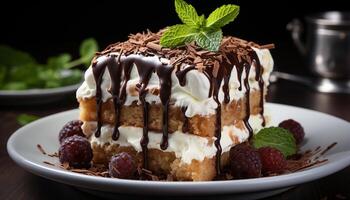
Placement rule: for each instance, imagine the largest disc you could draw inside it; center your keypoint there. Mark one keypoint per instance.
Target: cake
(176, 111)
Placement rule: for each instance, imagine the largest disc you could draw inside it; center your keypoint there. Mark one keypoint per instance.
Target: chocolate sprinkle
(48, 163)
(41, 149)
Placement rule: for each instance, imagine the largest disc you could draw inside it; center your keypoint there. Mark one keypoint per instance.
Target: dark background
(53, 27)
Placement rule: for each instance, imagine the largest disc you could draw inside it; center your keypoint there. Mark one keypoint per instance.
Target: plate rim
(260, 184)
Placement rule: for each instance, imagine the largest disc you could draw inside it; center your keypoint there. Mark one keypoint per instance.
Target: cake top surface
(148, 44)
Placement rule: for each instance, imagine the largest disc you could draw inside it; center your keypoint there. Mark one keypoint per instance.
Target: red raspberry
(295, 128)
(70, 129)
(272, 160)
(122, 166)
(77, 151)
(245, 162)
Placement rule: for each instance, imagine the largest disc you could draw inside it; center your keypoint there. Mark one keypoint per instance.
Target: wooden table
(15, 183)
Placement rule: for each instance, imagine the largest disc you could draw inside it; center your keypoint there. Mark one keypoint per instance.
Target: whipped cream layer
(193, 95)
(186, 147)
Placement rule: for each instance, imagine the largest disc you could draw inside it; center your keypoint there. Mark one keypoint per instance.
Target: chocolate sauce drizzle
(259, 70)
(247, 97)
(216, 83)
(185, 127)
(145, 70)
(120, 69)
(115, 71)
(98, 73)
(181, 74)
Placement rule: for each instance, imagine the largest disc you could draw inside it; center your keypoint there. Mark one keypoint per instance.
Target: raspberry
(245, 162)
(70, 129)
(122, 165)
(295, 128)
(77, 151)
(272, 160)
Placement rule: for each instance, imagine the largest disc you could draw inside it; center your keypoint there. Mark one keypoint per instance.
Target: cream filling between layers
(193, 95)
(187, 147)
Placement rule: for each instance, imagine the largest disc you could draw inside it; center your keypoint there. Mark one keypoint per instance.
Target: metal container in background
(327, 46)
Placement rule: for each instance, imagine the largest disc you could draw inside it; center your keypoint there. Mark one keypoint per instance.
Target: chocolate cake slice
(177, 111)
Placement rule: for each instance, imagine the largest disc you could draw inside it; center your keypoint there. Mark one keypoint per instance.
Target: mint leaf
(88, 48)
(24, 119)
(59, 62)
(276, 137)
(187, 13)
(177, 35)
(209, 40)
(222, 16)
(11, 57)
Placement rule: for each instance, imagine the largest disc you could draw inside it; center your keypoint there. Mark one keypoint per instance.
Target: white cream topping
(186, 146)
(194, 95)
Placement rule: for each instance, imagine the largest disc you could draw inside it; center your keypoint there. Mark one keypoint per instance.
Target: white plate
(321, 130)
(36, 96)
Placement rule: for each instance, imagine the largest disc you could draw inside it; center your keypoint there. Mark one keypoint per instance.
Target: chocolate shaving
(328, 148)
(216, 68)
(53, 154)
(135, 42)
(197, 60)
(267, 46)
(95, 170)
(65, 165)
(154, 46)
(48, 163)
(41, 149)
(200, 66)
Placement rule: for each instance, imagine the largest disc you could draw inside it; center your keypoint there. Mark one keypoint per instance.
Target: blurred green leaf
(88, 48)
(11, 57)
(15, 86)
(27, 74)
(69, 77)
(3, 72)
(58, 78)
(24, 119)
(19, 71)
(59, 62)
(50, 77)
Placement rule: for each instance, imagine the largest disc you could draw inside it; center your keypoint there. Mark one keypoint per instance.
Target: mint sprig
(276, 137)
(205, 32)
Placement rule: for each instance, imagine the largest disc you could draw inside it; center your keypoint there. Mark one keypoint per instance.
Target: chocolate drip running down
(119, 68)
(145, 69)
(181, 74)
(259, 70)
(224, 74)
(185, 127)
